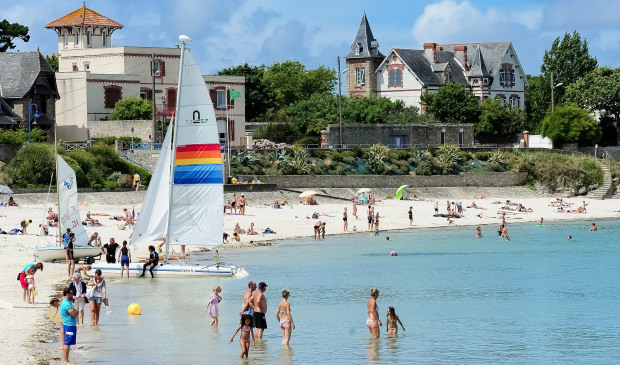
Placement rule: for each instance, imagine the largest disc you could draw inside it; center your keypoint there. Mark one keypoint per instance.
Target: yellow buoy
(134, 309)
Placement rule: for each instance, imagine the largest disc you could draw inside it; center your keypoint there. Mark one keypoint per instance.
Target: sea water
(538, 299)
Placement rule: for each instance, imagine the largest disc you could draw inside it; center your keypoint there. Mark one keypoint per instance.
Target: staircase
(135, 161)
(604, 190)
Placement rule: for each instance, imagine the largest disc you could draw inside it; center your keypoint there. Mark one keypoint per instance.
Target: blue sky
(228, 33)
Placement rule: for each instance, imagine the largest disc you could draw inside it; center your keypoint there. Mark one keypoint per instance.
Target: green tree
(453, 103)
(598, 92)
(10, 31)
(132, 108)
(291, 82)
(537, 100)
(33, 165)
(570, 124)
(497, 119)
(569, 60)
(52, 60)
(258, 92)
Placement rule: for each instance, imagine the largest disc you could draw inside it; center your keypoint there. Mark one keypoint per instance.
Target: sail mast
(183, 39)
(57, 187)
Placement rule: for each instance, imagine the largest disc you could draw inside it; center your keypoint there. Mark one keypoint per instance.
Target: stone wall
(476, 179)
(8, 152)
(120, 128)
(412, 135)
(612, 151)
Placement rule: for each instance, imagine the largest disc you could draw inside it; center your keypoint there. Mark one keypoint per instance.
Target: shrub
(106, 140)
(18, 138)
(110, 185)
(33, 165)
(482, 155)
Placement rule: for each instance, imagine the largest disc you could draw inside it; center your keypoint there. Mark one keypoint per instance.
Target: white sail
(153, 218)
(197, 192)
(69, 212)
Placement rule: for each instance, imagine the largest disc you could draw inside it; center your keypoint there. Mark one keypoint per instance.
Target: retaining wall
(477, 179)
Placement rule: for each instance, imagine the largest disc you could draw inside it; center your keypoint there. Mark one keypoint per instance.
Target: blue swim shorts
(70, 334)
(125, 260)
(96, 299)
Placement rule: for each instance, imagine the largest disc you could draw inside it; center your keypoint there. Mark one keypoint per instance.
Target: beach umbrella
(307, 193)
(364, 190)
(399, 191)
(5, 190)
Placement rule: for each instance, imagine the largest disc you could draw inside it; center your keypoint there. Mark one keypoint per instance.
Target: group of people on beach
(237, 204)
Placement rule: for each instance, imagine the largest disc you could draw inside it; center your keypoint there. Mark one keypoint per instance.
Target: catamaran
(69, 217)
(185, 200)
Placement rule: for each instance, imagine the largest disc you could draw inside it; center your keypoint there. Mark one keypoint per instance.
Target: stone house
(93, 75)
(487, 69)
(27, 89)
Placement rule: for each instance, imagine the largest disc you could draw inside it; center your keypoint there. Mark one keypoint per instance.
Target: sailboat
(184, 202)
(69, 217)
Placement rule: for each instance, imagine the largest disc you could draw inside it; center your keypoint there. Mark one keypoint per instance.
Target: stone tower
(362, 62)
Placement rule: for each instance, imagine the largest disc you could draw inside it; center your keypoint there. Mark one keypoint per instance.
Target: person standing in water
(258, 302)
(373, 322)
(392, 322)
(212, 306)
(478, 232)
(124, 257)
(283, 315)
(246, 334)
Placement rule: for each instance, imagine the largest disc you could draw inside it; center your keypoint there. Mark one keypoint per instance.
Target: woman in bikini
(344, 220)
(285, 318)
(373, 322)
(246, 333)
(354, 213)
(392, 322)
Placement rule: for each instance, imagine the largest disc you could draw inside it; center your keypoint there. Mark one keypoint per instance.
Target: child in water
(246, 332)
(392, 322)
(212, 305)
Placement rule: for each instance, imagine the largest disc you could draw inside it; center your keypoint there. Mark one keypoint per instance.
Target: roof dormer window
(77, 38)
(104, 38)
(358, 49)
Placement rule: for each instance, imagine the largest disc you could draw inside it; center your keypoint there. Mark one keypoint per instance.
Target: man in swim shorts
(258, 302)
(69, 325)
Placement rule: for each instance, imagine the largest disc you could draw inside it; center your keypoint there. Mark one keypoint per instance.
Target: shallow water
(537, 299)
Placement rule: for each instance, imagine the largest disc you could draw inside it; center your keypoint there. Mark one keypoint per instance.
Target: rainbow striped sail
(198, 164)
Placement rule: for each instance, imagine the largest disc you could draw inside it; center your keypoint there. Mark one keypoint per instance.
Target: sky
(228, 33)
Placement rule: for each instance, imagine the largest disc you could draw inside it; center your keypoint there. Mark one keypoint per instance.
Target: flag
(234, 94)
(133, 212)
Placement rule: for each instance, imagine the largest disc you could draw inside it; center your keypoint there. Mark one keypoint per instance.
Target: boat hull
(172, 269)
(57, 253)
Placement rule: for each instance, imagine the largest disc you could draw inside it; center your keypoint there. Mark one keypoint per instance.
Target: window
(221, 99)
(88, 38)
(159, 68)
(112, 94)
(360, 76)
(512, 77)
(357, 49)
(171, 101)
(75, 68)
(448, 77)
(395, 78)
(77, 38)
(66, 36)
(86, 66)
(104, 38)
(514, 101)
(502, 77)
(146, 93)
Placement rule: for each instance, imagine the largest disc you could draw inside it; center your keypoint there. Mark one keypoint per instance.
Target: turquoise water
(537, 299)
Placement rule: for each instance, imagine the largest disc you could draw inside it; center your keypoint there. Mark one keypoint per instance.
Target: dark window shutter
(149, 94)
(162, 68)
(213, 95)
(231, 129)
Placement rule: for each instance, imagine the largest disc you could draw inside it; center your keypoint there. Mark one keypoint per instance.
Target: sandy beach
(27, 333)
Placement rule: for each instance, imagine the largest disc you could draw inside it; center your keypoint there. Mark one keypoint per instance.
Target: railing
(127, 145)
(73, 146)
(126, 157)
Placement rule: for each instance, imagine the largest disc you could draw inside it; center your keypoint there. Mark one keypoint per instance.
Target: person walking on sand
(258, 302)
(242, 203)
(410, 212)
(377, 222)
(246, 334)
(98, 291)
(371, 218)
(69, 255)
(124, 257)
(69, 323)
(136, 181)
(212, 308)
(373, 322)
(284, 317)
(392, 321)
(317, 229)
(128, 218)
(344, 220)
(354, 213)
(234, 204)
(436, 207)
(246, 308)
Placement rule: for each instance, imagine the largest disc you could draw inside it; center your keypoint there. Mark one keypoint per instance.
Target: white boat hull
(172, 269)
(57, 253)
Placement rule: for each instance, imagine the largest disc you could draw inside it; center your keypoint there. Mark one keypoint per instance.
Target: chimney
(429, 52)
(460, 54)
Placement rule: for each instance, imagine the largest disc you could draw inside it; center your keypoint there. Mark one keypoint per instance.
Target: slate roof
(492, 52)
(19, 71)
(7, 116)
(478, 67)
(419, 65)
(364, 37)
(83, 16)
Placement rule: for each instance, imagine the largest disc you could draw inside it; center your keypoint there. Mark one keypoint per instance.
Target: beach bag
(18, 275)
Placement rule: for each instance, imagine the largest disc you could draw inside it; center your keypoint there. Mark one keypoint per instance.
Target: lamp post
(553, 88)
(36, 115)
